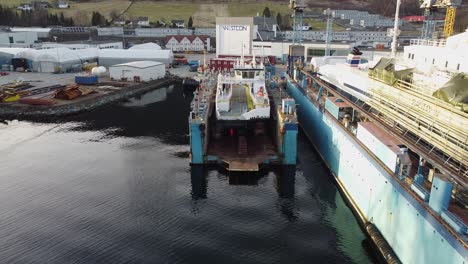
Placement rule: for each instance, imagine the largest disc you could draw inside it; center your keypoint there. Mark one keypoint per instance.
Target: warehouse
(109, 57)
(59, 59)
(143, 71)
(18, 39)
(7, 54)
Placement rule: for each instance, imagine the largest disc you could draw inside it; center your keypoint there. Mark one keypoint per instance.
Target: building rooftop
(189, 37)
(139, 64)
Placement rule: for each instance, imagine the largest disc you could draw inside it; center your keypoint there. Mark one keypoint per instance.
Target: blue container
(193, 62)
(284, 59)
(87, 80)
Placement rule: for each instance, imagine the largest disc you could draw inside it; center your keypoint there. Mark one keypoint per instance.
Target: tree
(114, 14)
(286, 22)
(279, 20)
(190, 22)
(97, 19)
(266, 12)
(62, 19)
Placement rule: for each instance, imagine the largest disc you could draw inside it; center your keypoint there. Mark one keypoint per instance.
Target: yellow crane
(451, 11)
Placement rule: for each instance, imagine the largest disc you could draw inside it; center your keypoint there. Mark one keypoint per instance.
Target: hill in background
(204, 12)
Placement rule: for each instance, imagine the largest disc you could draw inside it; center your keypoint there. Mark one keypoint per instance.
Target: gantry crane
(450, 5)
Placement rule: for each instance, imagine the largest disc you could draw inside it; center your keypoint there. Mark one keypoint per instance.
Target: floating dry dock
(390, 147)
(241, 144)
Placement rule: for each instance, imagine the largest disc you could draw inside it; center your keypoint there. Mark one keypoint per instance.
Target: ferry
(235, 122)
(394, 134)
(243, 95)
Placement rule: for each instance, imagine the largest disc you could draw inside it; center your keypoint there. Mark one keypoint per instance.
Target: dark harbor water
(115, 186)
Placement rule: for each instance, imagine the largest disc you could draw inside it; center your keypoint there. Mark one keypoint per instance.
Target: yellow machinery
(449, 21)
(450, 5)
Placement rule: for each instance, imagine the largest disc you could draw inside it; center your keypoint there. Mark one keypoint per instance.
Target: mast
(395, 28)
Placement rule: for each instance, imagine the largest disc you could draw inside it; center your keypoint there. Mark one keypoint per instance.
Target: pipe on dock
(382, 245)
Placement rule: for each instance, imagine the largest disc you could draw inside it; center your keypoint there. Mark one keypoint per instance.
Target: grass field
(251, 9)
(204, 13)
(165, 11)
(321, 24)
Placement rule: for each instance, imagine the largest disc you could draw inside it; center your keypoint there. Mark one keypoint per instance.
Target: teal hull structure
(414, 234)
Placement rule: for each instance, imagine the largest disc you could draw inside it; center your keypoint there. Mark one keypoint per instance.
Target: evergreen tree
(279, 20)
(286, 22)
(266, 12)
(190, 22)
(62, 19)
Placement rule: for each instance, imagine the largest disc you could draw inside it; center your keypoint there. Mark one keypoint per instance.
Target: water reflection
(198, 180)
(245, 178)
(149, 98)
(285, 186)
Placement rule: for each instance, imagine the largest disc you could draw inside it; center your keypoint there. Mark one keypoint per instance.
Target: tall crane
(450, 5)
(298, 18)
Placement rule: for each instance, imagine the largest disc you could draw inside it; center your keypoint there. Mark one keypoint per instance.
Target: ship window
(412, 56)
(248, 74)
(433, 61)
(446, 64)
(409, 55)
(458, 66)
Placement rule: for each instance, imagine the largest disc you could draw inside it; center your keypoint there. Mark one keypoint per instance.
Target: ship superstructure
(242, 94)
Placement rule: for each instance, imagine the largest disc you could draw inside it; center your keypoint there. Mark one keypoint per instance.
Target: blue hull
(415, 235)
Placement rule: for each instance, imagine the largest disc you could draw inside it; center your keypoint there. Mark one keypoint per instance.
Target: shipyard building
(139, 71)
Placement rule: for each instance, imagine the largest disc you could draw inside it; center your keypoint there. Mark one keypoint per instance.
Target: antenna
(242, 54)
(395, 28)
(328, 37)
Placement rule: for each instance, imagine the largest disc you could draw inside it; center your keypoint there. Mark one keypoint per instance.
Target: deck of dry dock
(260, 148)
(114, 92)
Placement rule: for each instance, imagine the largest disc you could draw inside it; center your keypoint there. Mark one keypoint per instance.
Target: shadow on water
(285, 186)
(285, 177)
(199, 182)
(161, 113)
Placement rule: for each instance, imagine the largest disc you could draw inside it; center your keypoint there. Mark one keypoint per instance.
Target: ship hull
(415, 235)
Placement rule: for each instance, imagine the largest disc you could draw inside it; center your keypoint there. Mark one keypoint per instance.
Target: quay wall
(37, 111)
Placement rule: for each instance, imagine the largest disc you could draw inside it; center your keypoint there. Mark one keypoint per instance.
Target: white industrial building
(280, 48)
(52, 60)
(7, 54)
(79, 45)
(146, 46)
(18, 39)
(109, 57)
(41, 32)
(144, 71)
(110, 31)
(234, 35)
